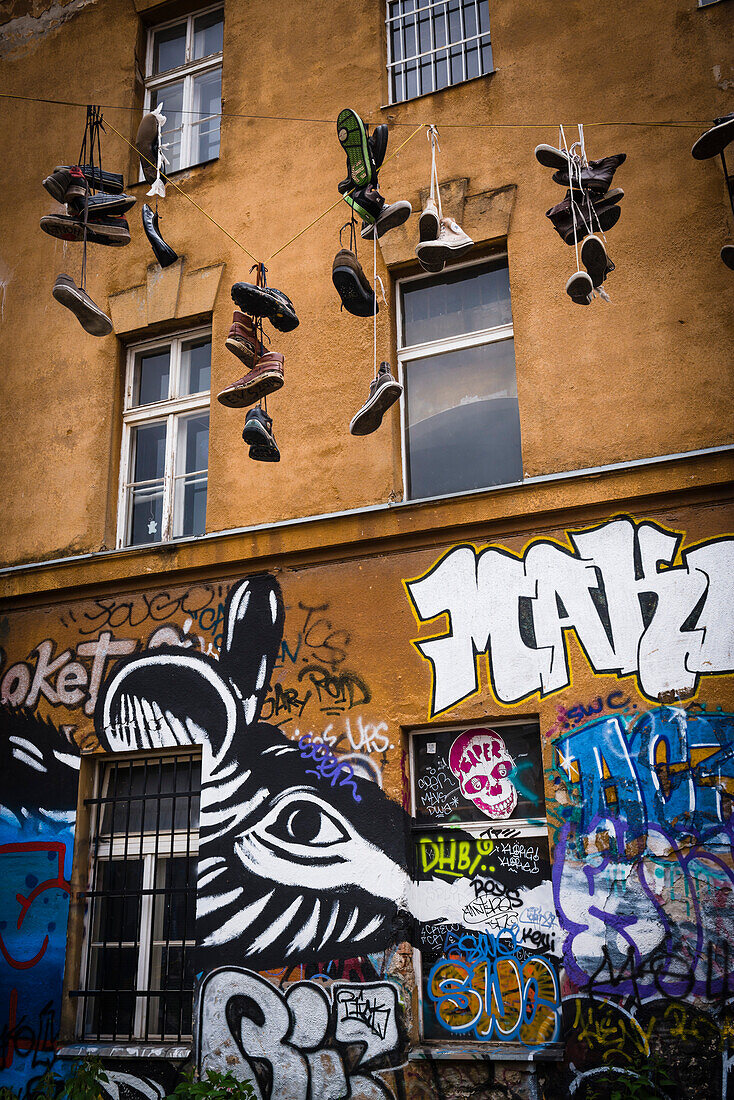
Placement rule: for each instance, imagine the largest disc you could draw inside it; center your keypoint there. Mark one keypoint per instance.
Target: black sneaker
(164, 254)
(377, 142)
(352, 134)
(580, 288)
(353, 287)
(596, 177)
(367, 202)
(111, 182)
(392, 215)
(258, 429)
(595, 260)
(715, 140)
(727, 255)
(89, 315)
(384, 392)
(102, 204)
(550, 157)
(265, 301)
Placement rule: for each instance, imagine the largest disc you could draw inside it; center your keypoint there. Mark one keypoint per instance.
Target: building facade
(402, 767)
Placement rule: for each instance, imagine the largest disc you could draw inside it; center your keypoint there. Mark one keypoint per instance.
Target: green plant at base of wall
(651, 1084)
(214, 1086)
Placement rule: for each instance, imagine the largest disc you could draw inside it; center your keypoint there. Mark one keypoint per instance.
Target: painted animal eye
(303, 822)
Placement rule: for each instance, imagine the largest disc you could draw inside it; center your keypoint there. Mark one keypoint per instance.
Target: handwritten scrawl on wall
(633, 611)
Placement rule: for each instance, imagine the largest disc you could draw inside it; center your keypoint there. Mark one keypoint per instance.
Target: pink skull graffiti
(480, 761)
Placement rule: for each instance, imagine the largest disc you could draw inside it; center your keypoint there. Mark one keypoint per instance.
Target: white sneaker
(451, 241)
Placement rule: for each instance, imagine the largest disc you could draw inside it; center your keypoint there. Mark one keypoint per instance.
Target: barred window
(138, 963)
(434, 43)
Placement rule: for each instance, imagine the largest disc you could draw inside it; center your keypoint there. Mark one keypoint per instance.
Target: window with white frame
(461, 420)
(434, 43)
(165, 443)
(184, 78)
(138, 956)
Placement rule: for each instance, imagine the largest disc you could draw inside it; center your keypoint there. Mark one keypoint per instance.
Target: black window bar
(139, 967)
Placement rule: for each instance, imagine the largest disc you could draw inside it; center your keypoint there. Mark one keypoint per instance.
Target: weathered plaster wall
(614, 637)
(665, 341)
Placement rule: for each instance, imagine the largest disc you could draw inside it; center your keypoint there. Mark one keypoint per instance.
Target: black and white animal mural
(297, 860)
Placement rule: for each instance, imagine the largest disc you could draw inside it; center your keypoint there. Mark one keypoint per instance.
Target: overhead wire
(393, 122)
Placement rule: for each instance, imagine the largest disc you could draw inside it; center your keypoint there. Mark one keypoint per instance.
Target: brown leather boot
(264, 378)
(242, 339)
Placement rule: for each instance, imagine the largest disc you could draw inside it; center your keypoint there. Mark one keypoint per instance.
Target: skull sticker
(480, 761)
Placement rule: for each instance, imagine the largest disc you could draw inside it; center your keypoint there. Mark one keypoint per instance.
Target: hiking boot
(352, 134)
(242, 339)
(429, 226)
(264, 378)
(715, 140)
(163, 252)
(550, 157)
(451, 241)
(597, 177)
(100, 204)
(258, 429)
(265, 452)
(66, 184)
(111, 182)
(377, 142)
(580, 288)
(367, 202)
(146, 143)
(727, 255)
(384, 392)
(595, 260)
(390, 217)
(265, 301)
(352, 285)
(89, 315)
(100, 230)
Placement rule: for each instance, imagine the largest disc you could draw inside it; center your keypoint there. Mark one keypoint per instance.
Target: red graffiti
(57, 883)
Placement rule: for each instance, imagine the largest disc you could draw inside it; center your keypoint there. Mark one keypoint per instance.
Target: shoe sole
(246, 395)
(442, 252)
(254, 302)
(74, 231)
(550, 157)
(119, 204)
(369, 417)
(244, 352)
(714, 141)
(594, 258)
(255, 436)
(353, 140)
(352, 294)
(428, 227)
(95, 324)
(583, 298)
(265, 454)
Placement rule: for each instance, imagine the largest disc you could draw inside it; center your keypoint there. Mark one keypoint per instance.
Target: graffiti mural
(632, 609)
(300, 1044)
(39, 768)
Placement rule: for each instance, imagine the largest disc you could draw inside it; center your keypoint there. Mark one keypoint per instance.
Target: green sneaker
(352, 134)
(367, 202)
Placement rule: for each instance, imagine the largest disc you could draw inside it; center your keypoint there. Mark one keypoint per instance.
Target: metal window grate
(432, 44)
(139, 950)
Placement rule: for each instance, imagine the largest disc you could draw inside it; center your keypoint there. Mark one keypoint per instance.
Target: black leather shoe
(164, 254)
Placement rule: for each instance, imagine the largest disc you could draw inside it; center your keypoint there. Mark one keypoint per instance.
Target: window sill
(133, 1049)
(436, 91)
(179, 174)
(485, 1052)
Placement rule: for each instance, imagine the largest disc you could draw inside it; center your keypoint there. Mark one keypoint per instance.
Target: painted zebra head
(292, 863)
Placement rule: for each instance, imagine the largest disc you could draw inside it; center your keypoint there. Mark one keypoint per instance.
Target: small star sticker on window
(152, 527)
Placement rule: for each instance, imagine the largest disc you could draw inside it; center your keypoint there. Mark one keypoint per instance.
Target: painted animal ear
(166, 699)
(253, 631)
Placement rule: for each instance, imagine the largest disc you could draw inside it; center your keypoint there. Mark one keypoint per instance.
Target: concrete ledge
(167, 295)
